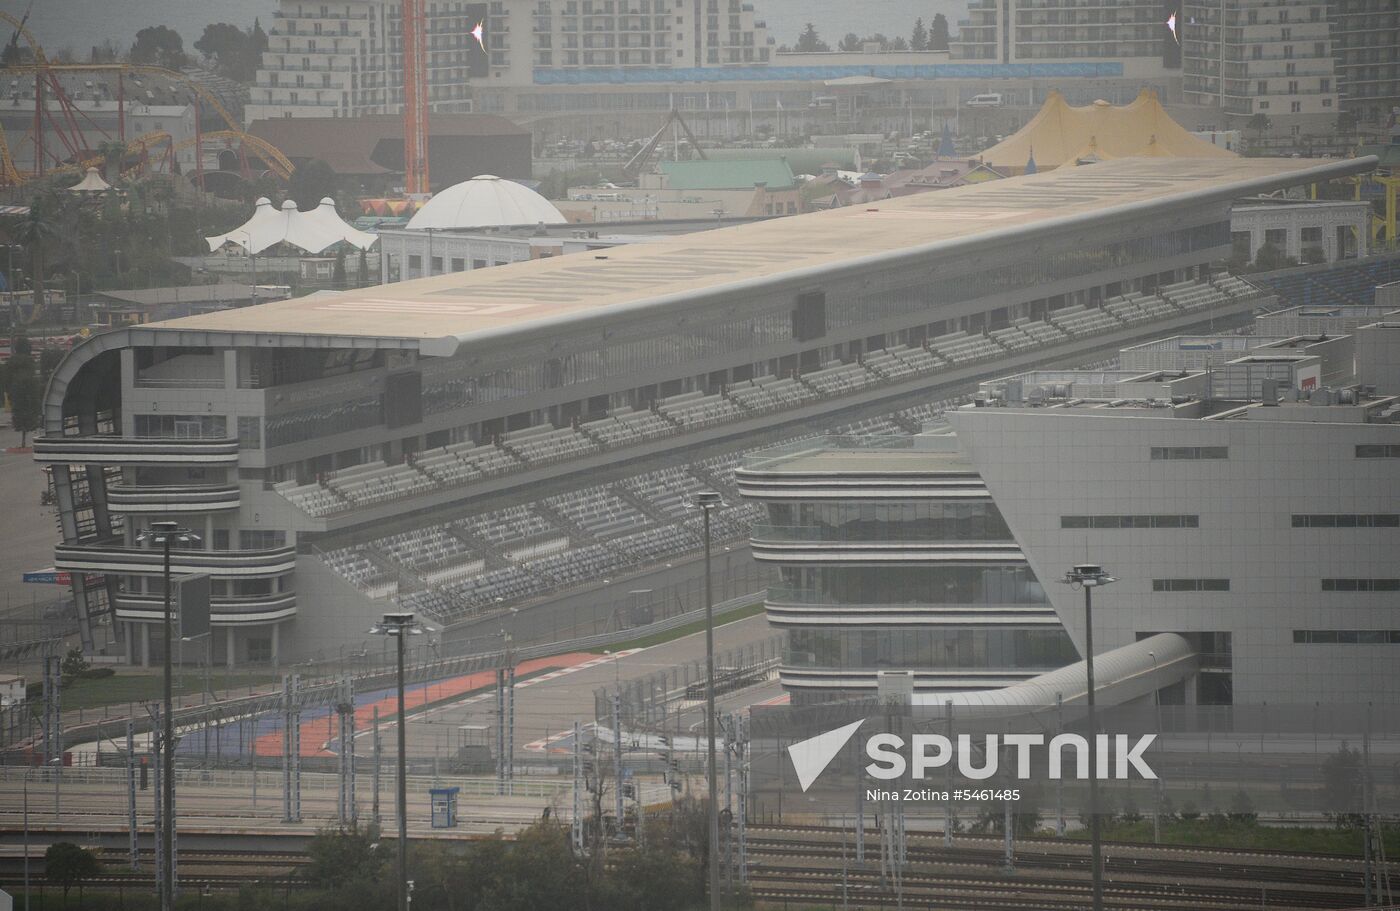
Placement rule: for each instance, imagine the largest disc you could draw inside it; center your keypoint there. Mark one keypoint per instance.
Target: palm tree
(33, 232)
(113, 156)
(1260, 124)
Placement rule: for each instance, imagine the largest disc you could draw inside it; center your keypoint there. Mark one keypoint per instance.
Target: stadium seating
(598, 512)
(461, 463)
(543, 445)
(1349, 282)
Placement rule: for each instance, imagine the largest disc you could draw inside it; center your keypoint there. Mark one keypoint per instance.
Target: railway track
(792, 865)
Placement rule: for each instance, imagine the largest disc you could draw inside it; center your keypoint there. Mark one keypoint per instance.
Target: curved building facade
(893, 557)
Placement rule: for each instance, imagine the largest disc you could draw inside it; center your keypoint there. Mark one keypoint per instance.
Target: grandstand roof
(540, 296)
(1060, 134)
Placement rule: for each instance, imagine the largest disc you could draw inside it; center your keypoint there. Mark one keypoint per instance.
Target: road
(547, 708)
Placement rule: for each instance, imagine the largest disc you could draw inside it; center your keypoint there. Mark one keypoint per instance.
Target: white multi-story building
(1270, 57)
(345, 59)
(1020, 31)
(1262, 528)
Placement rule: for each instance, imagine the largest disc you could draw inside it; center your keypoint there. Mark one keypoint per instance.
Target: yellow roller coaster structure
(278, 163)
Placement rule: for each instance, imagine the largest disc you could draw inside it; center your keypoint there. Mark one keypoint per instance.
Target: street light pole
(165, 534)
(399, 626)
(707, 501)
(1090, 576)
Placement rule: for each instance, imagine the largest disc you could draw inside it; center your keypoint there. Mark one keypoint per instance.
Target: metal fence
(650, 702)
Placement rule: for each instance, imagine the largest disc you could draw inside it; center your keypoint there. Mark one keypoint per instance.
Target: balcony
(199, 498)
(115, 450)
(115, 557)
(234, 611)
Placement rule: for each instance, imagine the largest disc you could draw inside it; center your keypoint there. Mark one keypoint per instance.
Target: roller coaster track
(278, 163)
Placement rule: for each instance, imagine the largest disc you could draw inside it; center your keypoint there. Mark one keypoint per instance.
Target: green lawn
(1210, 834)
(695, 627)
(127, 687)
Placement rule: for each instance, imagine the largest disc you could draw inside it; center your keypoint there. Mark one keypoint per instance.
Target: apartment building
(346, 59)
(1015, 31)
(1270, 57)
(1365, 38)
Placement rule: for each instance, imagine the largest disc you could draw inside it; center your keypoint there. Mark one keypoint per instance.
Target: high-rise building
(1017, 31)
(1366, 47)
(1270, 57)
(345, 59)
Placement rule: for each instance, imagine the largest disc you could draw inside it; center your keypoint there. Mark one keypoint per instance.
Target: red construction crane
(415, 100)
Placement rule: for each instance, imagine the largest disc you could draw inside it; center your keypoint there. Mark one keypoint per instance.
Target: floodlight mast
(400, 625)
(1090, 576)
(166, 533)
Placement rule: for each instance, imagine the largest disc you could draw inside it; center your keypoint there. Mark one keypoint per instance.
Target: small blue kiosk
(444, 806)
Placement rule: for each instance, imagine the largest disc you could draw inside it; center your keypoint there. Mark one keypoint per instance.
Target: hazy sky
(80, 24)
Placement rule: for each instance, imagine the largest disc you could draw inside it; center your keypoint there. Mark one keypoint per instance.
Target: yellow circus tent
(1060, 134)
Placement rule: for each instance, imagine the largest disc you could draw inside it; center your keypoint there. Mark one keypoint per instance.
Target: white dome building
(485, 201)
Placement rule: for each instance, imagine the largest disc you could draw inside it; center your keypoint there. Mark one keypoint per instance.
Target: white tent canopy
(313, 231)
(92, 184)
(486, 201)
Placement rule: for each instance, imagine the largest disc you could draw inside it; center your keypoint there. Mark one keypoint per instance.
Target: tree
(49, 359)
(363, 278)
(25, 404)
(1260, 124)
(897, 43)
(159, 45)
(113, 154)
(259, 39)
(1269, 257)
(849, 43)
(938, 33)
(68, 864)
(338, 273)
(34, 232)
(312, 182)
(809, 42)
(1342, 786)
(919, 40)
(74, 664)
(345, 857)
(1346, 123)
(233, 51)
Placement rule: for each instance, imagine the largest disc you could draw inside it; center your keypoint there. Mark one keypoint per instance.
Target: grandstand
(1350, 282)
(460, 464)
(486, 439)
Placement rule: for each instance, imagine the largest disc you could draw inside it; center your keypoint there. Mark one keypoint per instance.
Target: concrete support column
(145, 644)
(230, 648)
(276, 645)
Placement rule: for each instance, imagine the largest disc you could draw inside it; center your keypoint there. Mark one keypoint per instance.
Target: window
(1169, 453)
(1312, 235)
(249, 432)
(458, 264)
(259, 539)
(415, 261)
(1348, 520)
(1346, 637)
(1190, 585)
(437, 265)
(1361, 585)
(1158, 521)
(1378, 451)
